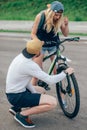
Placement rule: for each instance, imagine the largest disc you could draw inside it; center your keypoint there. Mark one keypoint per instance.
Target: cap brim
(27, 54)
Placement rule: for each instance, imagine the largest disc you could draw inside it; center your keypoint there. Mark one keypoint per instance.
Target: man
(19, 90)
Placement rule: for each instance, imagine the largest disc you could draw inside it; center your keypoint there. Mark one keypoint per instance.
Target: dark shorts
(24, 99)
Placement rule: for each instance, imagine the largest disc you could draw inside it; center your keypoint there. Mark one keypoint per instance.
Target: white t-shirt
(22, 70)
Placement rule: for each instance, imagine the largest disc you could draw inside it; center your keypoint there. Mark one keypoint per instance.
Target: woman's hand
(65, 21)
(64, 26)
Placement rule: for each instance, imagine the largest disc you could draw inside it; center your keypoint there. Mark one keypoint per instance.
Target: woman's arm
(35, 26)
(64, 27)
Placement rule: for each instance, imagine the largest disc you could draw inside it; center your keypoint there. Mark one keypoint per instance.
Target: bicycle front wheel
(68, 96)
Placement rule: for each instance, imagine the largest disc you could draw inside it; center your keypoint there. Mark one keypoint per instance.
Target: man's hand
(69, 70)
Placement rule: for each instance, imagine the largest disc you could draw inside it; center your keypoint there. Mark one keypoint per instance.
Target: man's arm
(31, 88)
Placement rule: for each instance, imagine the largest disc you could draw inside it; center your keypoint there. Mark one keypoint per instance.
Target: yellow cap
(34, 46)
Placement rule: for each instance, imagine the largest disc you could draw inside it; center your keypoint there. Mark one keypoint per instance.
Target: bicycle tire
(75, 106)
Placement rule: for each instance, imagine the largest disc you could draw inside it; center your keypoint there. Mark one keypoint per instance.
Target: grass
(27, 9)
(14, 31)
(19, 31)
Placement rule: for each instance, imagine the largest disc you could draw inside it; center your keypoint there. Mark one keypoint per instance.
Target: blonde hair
(49, 21)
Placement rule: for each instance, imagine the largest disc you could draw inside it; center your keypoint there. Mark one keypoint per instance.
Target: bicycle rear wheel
(69, 99)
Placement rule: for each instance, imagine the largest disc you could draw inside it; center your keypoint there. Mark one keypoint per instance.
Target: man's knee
(50, 100)
(54, 102)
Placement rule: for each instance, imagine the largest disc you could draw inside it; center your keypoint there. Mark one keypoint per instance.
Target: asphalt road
(53, 120)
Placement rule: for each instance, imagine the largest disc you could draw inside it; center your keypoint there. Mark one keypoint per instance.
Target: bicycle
(67, 90)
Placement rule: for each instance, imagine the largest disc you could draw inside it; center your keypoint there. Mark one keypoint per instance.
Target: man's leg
(46, 103)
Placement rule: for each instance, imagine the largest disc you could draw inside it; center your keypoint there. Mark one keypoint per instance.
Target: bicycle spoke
(68, 97)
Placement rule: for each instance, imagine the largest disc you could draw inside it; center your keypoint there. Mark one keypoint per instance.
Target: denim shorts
(48, 49)
(24, 99)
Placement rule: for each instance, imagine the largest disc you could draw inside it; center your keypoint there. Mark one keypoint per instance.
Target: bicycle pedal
(65, 104)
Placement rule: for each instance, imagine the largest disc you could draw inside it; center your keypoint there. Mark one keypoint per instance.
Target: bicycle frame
(56, 55)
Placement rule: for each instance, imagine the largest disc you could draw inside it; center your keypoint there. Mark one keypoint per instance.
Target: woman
(47, 30)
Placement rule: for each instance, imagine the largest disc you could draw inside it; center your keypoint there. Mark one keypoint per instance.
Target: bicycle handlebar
(70, 39)
(67, 39)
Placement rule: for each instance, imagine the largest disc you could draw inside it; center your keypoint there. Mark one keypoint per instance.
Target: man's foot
(14, 110)
(24, 120)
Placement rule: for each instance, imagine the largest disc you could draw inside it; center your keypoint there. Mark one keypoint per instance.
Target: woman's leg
(54, 70)
(40, 89)
(39, 61)
(46, 103)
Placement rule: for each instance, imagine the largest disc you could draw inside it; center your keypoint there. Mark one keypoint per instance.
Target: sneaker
(65, 104)
(24, 120)
(14, 110)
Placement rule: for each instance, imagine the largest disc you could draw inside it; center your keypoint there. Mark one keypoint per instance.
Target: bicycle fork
(68, 89)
